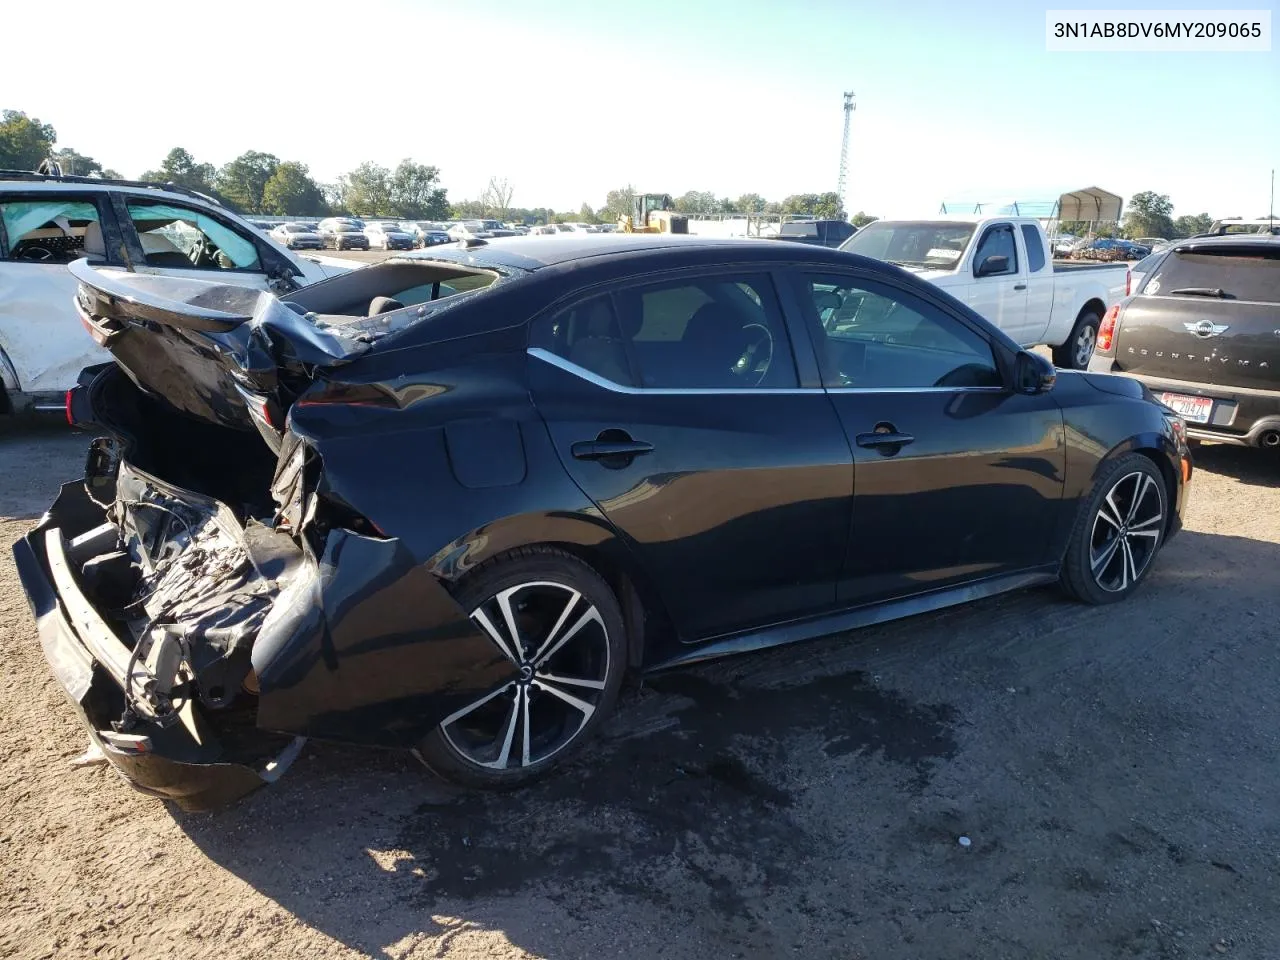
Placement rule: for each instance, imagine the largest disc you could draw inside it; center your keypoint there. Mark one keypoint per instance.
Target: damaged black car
(448, 502)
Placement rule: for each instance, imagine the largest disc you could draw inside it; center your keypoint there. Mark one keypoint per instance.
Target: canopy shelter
(1091, 204)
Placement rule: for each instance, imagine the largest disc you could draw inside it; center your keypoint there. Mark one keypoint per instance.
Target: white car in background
(387, 235)
(119, 225)
(469, 230)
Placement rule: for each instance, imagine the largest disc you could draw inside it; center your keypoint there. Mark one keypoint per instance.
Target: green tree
(750, 203)
(617, 202)
(366, 190)
(24, 141)
(75, 164)
(824, 206)
(861, 219)
(414, 191)
(292, 192)
(467, 210)
(586, 214)
(697, 201)
(243, 180)
(1149, 214)
(180, 167)
(1189, 224)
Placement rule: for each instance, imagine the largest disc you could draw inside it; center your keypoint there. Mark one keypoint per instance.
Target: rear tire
(1118, 533)
(1077, 351)
(561, 626)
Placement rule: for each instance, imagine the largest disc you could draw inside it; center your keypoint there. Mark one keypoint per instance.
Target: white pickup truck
(1001, 267)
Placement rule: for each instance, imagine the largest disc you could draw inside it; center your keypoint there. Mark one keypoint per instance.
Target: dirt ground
(1116, 770)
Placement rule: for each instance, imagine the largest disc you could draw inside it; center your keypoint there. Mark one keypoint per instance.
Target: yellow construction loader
(653, 213)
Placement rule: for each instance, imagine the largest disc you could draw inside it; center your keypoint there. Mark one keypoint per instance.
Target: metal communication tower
(844, 146)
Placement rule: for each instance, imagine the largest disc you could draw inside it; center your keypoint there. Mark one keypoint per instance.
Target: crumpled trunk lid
(226, 354)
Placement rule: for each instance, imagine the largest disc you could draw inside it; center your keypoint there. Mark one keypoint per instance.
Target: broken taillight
(1107, 331)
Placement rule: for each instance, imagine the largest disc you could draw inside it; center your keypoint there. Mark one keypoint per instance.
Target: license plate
(1196, 409)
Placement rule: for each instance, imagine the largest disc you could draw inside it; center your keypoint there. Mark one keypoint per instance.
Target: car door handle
(603, 449)
(893, 439)
(1019, 286)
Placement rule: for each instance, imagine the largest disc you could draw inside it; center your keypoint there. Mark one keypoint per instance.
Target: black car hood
(202, 345)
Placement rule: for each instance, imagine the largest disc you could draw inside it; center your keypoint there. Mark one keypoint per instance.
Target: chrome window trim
(540, 353)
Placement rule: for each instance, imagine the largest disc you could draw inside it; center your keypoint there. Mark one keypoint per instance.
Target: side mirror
(1033, 373)
(993, 264)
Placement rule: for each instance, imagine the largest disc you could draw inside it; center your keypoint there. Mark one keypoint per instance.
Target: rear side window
(1035, 247)
(1242, 273)
(56, 229)
(708, 333)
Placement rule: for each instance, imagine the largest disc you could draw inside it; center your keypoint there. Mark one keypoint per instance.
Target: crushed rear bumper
(185, 761)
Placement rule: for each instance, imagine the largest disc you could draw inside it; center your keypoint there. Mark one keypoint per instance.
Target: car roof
(1265, 240)
(32, 183)
(534, 253)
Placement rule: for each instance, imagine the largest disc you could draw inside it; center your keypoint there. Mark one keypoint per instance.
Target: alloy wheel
(1126, 531)
(1085, 341)
(557, 643)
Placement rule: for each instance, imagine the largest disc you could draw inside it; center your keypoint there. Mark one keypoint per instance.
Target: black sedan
(450, 501)
(345, 237)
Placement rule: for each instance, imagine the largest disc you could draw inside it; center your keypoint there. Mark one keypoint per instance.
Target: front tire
(1118, 533)
(1078, 350)
(559, 624)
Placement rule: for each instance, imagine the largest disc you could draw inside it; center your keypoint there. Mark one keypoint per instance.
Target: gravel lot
(1116, 771)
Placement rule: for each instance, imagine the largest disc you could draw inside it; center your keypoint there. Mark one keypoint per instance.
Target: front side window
(178, 236)
(56, 229)
(997, 241)
(710, 333)
(877, 337)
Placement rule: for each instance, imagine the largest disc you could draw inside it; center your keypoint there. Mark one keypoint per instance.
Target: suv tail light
(1107, 331)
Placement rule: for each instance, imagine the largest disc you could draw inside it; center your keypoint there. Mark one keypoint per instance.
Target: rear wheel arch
(1156, 456)
(1064, 355)
(586, 540)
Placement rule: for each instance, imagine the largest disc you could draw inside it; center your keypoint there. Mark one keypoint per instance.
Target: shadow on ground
(1258, 468)
(37, 454)
(687, 808)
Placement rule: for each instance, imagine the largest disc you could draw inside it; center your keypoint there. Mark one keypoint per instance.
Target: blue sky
(568, 99)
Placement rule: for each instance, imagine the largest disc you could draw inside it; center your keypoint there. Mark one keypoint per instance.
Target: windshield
(296, 228)
(938, 245)
(1237, 273)
(799, 230)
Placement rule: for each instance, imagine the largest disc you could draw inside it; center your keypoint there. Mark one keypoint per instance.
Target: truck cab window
(1035, 247)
